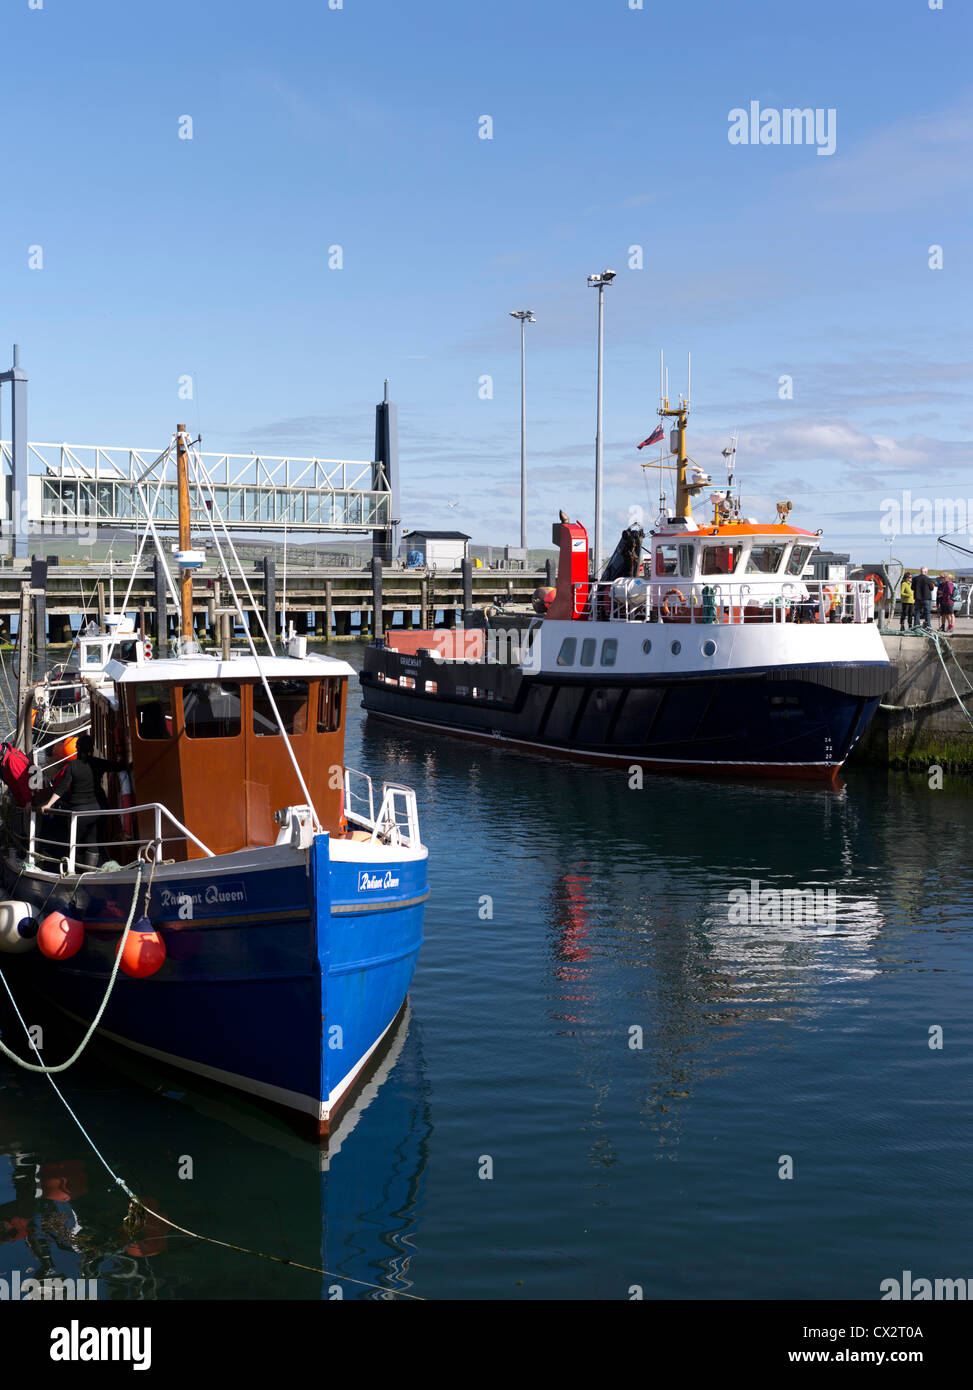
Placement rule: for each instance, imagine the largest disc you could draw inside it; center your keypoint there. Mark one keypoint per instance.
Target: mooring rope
(938, 642)
(63, 1066)
(136, 1202)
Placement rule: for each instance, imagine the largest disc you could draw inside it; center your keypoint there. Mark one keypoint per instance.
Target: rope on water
(135, 1203)
(63, 1066)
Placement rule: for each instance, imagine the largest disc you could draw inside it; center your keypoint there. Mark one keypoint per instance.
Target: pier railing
(735, 601)
(397, 820)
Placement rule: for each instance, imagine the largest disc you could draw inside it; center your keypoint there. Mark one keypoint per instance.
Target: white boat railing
(154, 845)
(750, 599)
(397, 820)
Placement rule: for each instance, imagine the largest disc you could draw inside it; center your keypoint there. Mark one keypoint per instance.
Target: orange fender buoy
(144, 952)
(60, 937)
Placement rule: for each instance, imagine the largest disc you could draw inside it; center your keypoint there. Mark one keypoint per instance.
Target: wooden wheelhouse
(200, 737)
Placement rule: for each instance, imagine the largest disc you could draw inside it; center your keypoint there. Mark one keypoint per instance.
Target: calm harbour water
(612, 1165)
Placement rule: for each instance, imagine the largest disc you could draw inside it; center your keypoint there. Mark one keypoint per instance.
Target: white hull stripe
(293, 1100)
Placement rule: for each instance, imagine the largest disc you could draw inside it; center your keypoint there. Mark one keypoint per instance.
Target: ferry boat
(265, 901)
(714, 654)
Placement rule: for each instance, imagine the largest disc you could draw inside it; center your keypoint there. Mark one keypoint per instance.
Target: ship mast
(684, 501)
(186, 574)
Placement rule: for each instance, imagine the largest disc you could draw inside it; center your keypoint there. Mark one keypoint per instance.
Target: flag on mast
(655, 437)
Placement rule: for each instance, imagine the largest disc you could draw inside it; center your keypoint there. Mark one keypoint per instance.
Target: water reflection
(220, 1167)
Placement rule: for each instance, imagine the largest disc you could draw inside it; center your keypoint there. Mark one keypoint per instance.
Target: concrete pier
(921, 724)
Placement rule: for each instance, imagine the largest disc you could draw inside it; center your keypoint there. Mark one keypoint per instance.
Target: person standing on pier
(923, 589)
(945, 602)
(908, 609)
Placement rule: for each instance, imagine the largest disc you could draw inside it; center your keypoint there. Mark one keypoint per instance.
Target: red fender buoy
(144, 952)
(60, 937)
(63, 1182)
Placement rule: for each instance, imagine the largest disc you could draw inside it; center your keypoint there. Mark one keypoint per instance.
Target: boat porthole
(676, 648)
(646, 646)
(709, 648)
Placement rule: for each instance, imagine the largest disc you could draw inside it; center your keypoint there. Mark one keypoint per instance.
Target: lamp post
(526, 316)
(599, 282)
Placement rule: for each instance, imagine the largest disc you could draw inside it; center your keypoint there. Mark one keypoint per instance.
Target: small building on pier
(443, 550)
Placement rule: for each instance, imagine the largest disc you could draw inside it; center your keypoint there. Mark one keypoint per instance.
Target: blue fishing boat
(249, 908)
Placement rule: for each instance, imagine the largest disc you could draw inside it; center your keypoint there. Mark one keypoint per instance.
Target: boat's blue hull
(279, 979)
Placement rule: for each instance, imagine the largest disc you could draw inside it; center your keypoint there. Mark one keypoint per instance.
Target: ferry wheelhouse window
(799, 558)
(291, 700)
(765, 559)
(127, 652)
(211, 709)
(720, 559)
(153, 711)
(565, 656)
(686, 553)
(329, 706)
(666, 559)
(588, 651)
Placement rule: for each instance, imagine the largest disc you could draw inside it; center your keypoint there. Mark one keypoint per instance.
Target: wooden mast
(186, 574)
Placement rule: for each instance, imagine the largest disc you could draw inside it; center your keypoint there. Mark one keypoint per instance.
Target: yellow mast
(186, 574)
(684, 501)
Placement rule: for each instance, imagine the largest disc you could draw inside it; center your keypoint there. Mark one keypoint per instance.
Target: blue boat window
(609, 651)
(647, 646)
(290, 698)
(153, 711)
(211, 709)
(676, 648)
(709, 648)
(565, 656)
(329, 707)
(588, 651)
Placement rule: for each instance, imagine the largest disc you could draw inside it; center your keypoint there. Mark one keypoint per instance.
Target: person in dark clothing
(923, 588)
(79, 789)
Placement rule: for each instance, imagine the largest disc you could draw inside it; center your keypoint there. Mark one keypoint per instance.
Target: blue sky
(358, 127)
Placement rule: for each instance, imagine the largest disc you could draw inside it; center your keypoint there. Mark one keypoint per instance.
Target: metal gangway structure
(71, 489)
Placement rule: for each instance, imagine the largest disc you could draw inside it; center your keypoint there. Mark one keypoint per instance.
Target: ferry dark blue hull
(281, 980)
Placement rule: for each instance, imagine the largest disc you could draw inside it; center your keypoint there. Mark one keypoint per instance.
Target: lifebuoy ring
(879, 586)
(669, 593)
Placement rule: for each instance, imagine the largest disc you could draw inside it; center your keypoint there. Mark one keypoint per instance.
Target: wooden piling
(378, 617)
